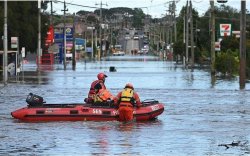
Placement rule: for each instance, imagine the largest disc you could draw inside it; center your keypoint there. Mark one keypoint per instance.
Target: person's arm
(103, 85)
(116, 99)
(137, 100)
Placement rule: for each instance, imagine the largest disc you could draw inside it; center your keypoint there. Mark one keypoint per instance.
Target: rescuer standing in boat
(127, 100)
(101, 80)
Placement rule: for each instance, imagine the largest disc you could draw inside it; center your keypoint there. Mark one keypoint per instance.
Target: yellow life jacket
(127, 95)
(97, 99)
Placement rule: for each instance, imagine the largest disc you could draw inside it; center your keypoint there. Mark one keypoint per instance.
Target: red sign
(225, 26)
(225, 29)
(50, 36)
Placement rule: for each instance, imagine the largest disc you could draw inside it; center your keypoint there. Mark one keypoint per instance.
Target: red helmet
(129, 85)
(101, 76)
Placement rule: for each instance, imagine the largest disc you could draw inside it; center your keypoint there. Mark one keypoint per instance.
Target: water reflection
(126, 126)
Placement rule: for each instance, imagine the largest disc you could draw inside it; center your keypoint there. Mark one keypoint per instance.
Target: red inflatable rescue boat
(40, 112)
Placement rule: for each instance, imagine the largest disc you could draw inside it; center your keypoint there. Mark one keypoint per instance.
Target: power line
(78, 5)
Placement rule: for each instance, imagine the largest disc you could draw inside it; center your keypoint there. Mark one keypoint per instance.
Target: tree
(179, 48)
(230, 42)
(180, 21)
(227, 63)
(138, 18)
(23, 23)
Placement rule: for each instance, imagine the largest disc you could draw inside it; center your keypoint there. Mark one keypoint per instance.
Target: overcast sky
(156, 8)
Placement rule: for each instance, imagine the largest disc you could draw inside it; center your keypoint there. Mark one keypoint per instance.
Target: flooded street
(200, 117)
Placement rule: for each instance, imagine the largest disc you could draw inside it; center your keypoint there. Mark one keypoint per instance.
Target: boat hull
(83, 112)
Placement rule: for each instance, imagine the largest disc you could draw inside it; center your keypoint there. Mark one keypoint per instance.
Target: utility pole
(95, 31)
(39, 35)
(100, 30)
(192, 34)
(5, 54)
(92, 41)
(175, 31)
(64, 34)
(212, 38)
(243, 45)
(187, 33)
(184, 27)
(74, 45)
(51, 13)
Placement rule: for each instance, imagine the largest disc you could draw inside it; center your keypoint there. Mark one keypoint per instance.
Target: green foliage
(121, 10)
(136, 15)
(83, 12)
(230, 42)
(179, 48)
(154, 46)
(23, 23)
(198, 54)
(248, 58)
(88, 44)
(92, 19)
(227, 63)
(137, 18)
(180, 21)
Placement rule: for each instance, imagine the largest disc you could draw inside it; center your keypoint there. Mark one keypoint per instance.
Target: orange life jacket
(103, 95)
(92, 90)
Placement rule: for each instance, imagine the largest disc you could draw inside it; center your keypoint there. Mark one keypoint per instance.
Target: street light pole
(39, 35)
(100, 33)
(64, 38)
(5, 55)
(92, 43)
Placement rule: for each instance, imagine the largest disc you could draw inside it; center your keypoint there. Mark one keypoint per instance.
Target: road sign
(53, 49)
(225, 29)
(14, 42)
(90, 28)
(23, 52)
(217, 46)
(236, 33)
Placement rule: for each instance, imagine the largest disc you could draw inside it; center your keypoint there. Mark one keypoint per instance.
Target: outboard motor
(34, 100)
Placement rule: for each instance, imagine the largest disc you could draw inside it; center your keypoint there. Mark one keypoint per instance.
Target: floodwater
(200, 117)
